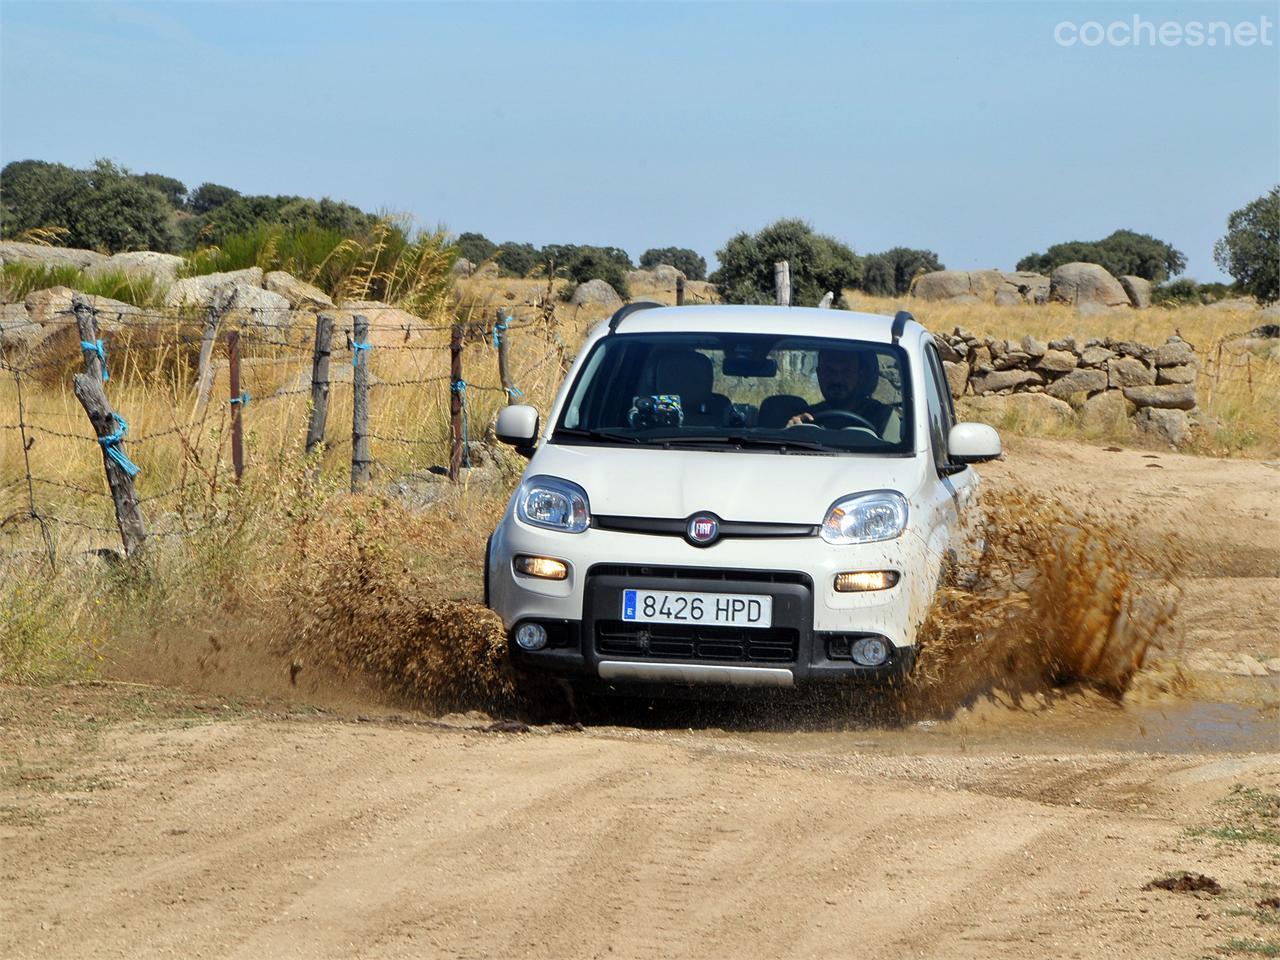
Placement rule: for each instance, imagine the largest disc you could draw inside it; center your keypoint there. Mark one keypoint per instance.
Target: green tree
(1250, 251)
(890, 274)
(516, 259)
(210, 196)
(1124, 252)
(475, 247)
(36, 194)
(818, 264)
(173, 190)
(687, 261)
(596, 263)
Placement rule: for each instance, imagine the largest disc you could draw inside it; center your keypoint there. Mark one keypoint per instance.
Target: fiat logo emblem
(703, 529)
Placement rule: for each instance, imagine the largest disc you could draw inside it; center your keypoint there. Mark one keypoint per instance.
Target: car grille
(687, 642)
(699, 573)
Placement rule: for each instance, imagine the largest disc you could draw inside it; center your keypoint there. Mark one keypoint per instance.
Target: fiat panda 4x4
(734, 496)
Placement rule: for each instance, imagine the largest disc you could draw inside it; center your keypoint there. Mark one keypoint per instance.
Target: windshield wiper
(746, 440)
(609, 435)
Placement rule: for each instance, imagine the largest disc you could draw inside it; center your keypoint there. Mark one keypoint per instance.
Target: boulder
(487, 271)
(1032, 287)
(1081, 380)
(984, 284)
(462, 267)
(298, 293)
(1183, 374)
(1095, 356)
(595, 292)
(1169, 426)
(1057, 361)
(163, 268)
(1174, 352)
(200, 290)
(1104, 411)
(1081, 283)
(1128, 372)
(1171, 396)
(15, 251)
(1007, 298)
(388, 325)
(665, 273)
(942, 285)
(640, 278)
(1004, 380)
(1064, 343)
(966, 298)
(947, 352)
(53, 306)
(957, 376)
(1138, 289)
(261, 306)
(17, 332)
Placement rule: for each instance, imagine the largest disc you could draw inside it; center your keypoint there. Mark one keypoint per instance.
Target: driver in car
(847, 379)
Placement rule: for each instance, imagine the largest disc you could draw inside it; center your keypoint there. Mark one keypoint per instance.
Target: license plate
(713, 609)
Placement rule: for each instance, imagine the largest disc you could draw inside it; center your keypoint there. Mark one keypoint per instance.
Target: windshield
(741, 390)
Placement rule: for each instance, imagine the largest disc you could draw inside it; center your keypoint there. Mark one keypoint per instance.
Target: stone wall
(1097, 381)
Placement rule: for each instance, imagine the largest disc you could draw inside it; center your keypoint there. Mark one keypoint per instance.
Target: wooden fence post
(782, 282)
(828, 298)
(456, 386)
(110, 430)
(237, 404)
(679, 291)
(360, 404)
(219, 304)
(319, 382)
(87, 324)
(504, 360)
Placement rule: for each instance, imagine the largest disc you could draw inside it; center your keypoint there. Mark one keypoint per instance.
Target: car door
(950, 487)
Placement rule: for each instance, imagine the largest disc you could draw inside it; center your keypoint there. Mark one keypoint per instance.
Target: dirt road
(137, 821)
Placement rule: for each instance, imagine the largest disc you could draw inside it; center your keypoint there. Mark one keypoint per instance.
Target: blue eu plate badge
(628, 604)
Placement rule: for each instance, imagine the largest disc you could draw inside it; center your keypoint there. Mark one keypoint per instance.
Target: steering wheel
(842, 420)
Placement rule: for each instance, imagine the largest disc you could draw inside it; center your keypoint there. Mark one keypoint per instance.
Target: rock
(1172, 396)
(1032, 287)
(163, 268)
(1174, 353)
(261, 306)
(1023, 406)
(1095, 356)
(1057, 361)
(53, 306)
(1169, 426)
(957, 376)
(1184, 374)
(462, 267)
(665, 273)
(1082, 283)
(298, 293)
(1010, 359)
(942, 285)
(1004, 380)
(967, 336)
(1128, 372)
(1131, 348)
(200, 290)
(388, 326)
(1064, 343)
(1007, 298)
(17, 331)
(965, 298)
(1138, 290)
(1080, 380)
(1033, 347)
(1104, 411)
(595, 292)
(1266, 331)
(984, 284)
(487, 271)
(947, 352)
(15, 251)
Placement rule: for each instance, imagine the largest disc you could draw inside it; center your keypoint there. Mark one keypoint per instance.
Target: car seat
(690, 375)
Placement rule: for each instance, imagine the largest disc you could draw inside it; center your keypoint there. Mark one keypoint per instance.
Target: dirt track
(136, 822)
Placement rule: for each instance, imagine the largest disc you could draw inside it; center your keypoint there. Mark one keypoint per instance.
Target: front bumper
(813, 625)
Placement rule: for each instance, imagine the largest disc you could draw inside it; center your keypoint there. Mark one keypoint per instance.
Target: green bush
(818, 264)
(891, 273)
(210, 196)
(687, 261)
(173, 190)
(1250, 251)
(516, 259)
(475, 247)
(1122, 253)
(1178, 293)
(594, 263)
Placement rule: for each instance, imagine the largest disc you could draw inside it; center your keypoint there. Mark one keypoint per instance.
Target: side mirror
(518, 426)
(973, 443)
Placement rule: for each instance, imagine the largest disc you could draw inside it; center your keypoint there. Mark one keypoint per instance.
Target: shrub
(475, 247)
(173, 190)
(891, 273)
(1177, 293)
(516, 259)
(594, 263)
(1122, 253)
(1250, 251)
(818, 264)
(687, 261)
(210, 196)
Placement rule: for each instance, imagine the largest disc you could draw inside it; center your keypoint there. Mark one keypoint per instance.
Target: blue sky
(962, 127)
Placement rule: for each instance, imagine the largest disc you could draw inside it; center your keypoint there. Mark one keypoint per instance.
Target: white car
(735, 496)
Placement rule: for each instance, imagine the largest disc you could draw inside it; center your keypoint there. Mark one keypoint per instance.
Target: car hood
(760, 487)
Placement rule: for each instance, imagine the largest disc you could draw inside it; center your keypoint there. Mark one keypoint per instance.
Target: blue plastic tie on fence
(111, 444)
(460, 387)
(499, 327)
(514, 391)
(243, 399)
(356, 349)
(97, 347)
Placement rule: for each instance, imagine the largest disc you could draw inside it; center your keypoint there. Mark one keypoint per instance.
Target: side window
(941, 410)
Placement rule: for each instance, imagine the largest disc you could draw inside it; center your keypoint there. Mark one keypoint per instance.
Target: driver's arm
(799, 418)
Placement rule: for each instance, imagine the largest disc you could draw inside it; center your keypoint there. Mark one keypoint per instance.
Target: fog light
(866, 580)
(531, 636)
(542, 567)
(870, 651)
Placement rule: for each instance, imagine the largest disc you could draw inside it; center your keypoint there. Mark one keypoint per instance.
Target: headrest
(686, 372)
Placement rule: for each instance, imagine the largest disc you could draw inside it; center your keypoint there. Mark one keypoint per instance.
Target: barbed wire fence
(163, 482)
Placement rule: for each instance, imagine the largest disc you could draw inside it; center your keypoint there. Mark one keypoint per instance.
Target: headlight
(554, 504)
(865, 518)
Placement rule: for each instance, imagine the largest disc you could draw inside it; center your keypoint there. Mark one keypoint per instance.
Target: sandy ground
(138, 821)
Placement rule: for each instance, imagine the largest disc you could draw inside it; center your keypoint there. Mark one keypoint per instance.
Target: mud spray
(1051, 598)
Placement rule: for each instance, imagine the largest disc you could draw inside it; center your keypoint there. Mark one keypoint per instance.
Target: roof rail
(900, 321)
(626, 311)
